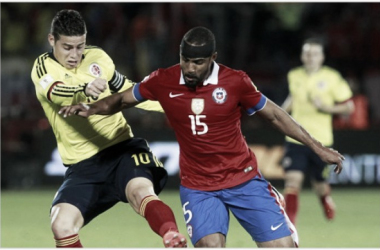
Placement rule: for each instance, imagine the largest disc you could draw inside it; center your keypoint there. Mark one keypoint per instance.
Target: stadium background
(263, 39)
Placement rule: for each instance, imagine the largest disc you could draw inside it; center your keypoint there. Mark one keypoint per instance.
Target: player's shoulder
(329, 70)
(94, 51)
(42, 57)
(225, 71)
(296, 70)
(41, 65)
(168, 72)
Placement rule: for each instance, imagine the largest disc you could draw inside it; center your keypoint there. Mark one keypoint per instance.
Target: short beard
(191, 84)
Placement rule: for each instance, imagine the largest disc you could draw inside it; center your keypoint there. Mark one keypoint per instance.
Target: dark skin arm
(288, 126)
(107, 106)
(272, 113)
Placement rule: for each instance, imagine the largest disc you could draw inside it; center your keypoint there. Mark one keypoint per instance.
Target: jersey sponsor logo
(219, 95)
(46, 81)
(276, 227)
(197, 105)
(171, 95)
(95, 70)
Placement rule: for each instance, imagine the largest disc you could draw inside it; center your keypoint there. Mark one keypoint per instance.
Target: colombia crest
(219, 95)
(95, 70)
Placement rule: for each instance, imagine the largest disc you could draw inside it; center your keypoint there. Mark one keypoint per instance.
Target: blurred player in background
(105, 163)
(202, 100)
(317, 92)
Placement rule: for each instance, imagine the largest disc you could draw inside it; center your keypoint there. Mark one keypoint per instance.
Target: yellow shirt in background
(329, 87)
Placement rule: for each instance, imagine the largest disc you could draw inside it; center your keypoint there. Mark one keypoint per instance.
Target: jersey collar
(212, 79)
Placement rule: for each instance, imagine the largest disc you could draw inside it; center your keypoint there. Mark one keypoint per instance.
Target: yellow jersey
(329, 87)
(79, 138)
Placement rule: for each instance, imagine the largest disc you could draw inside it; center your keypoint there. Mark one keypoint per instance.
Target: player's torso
(204, 113)
(206, 120)
(304, 89)
(79, 138)
(91, 67)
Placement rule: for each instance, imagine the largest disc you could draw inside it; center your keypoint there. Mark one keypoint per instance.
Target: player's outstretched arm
(288, 126)
(107, 106)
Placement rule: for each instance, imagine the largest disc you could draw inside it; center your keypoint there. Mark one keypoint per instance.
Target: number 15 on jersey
(197, 126)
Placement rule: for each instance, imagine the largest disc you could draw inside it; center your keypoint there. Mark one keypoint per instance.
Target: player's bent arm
(344, 108)
(120, 83)
(288, 126)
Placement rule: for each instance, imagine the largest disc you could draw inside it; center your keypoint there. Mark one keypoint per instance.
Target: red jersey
(213, 152)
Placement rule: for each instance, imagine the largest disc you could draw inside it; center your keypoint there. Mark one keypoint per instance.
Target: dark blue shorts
(253, 203)
(302, 158)
(96, 184)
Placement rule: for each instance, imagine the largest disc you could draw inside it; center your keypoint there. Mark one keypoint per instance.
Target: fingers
(336, 158)
(68, 111)
(80, 109)
(96, 87)
(339, 166)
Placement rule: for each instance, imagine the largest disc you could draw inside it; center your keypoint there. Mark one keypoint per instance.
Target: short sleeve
(341, 90)
(252, 100)
(146, 89)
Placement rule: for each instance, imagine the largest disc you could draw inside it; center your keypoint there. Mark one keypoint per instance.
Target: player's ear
(51, 39)
(214, 56)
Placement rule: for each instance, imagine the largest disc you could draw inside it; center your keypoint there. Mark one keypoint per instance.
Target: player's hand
(96, 87)
(81, 109)
(331, 156)
(320, 106)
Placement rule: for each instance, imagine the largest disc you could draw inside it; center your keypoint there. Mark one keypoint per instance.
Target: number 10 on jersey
(197, 126)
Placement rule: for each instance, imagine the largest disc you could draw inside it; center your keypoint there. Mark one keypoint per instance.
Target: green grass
(25, 222)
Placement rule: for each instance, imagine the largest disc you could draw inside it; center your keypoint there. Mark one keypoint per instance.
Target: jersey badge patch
(321, 84)
(95, 70)
(46, 80)
(219, 95)
(197, 105)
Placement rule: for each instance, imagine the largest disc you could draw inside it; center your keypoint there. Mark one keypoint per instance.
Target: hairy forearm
(107, 106)
(288, 126)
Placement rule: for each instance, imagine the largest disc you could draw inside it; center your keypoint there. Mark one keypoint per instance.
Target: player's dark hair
(68, 23)
(198, 42)
(315, 40)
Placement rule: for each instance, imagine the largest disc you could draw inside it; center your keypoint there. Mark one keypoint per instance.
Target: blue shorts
(302, 158)
(96, 184)
(252, 203)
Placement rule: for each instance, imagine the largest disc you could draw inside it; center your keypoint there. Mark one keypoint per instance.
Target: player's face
(68, 50)
(312, 56)
(196, 70)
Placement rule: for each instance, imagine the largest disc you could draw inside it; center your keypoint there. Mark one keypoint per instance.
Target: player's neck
(311, 71)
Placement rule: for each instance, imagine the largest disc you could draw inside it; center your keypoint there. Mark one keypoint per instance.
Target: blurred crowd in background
(262, 39)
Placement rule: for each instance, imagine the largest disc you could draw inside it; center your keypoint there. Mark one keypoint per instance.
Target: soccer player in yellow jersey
(317, 92)
(105, 163)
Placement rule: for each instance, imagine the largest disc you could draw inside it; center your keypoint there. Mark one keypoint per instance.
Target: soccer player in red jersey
(202, 100)
(102, 156)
